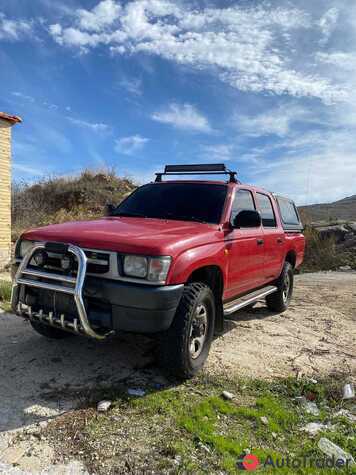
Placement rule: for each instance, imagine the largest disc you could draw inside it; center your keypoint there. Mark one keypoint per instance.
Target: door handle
(260, 242)
(279, 240)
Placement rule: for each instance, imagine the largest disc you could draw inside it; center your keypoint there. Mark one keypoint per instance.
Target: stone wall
(5, 192)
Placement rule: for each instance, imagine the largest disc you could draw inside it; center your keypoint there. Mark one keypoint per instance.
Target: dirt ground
(41, 378)
(317, 335)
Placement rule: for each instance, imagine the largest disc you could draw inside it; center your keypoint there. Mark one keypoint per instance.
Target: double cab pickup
(173, 259)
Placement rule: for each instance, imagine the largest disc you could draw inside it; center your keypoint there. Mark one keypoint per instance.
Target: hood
(131, 235)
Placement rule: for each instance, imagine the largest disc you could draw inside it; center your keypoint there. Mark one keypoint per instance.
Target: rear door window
(289, 214)
(266, 210)
(243, 201)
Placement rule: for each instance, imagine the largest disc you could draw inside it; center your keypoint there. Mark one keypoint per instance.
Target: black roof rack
(199, 169)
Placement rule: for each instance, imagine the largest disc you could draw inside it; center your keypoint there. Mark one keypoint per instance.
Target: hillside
(341, 210)
(59, 199)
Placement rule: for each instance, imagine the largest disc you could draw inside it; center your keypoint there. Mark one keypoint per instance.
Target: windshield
(182, 201)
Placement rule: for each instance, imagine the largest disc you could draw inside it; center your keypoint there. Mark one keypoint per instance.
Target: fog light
(66, 263)
(40, 258)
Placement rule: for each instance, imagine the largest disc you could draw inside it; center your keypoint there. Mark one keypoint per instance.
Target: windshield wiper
(183, 217)
(179, 217)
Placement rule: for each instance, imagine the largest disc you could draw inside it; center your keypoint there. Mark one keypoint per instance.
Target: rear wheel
(279, 301)
(49, 332)
(184, 347)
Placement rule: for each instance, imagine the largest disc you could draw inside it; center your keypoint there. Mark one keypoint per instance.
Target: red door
(245, 251)
(274, 237)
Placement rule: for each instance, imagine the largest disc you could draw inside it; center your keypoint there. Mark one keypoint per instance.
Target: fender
(295, 243)
(212, 254)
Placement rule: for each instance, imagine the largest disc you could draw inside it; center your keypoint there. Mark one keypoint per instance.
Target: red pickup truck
(173, 259)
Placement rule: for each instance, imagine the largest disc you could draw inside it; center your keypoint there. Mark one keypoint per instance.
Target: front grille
(98, 263)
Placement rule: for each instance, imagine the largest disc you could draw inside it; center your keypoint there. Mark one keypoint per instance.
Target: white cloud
(132, 85)
(310, 164)
(250, 48)
(327, 24)
(346, 61)
(56, 32)
(218, 152)
(20, 167)
(263, 124)
(25, 97)
(276, 121)
(14, 30)
(50, 106)
(308, 178)
(183, 116)
(96, 127)
(75, 37)
(56, 29)
(102, 16)
(130, 145)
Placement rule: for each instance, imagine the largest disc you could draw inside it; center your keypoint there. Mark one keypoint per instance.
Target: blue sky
(266, 87)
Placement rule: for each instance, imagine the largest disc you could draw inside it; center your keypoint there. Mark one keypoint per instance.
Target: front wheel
(279, 301)
(184, 347)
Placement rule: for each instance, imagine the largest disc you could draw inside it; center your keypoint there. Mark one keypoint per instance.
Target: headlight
(153, 269)
(135, 266)
(25, 246)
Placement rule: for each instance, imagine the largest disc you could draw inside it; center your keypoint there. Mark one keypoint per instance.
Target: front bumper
(136, 307)
(111, 305)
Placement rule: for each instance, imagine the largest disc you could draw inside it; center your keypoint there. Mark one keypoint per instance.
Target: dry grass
(5, 294)
(60, 199)
(322, 253)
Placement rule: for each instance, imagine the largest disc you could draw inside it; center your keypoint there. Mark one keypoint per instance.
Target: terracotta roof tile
(13, 119)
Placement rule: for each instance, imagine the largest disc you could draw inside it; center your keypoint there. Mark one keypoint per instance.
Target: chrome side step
(248, 299)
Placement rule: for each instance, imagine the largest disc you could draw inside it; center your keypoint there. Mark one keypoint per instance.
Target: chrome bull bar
(72, 286)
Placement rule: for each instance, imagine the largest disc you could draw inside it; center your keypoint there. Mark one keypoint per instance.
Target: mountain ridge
(343, 209)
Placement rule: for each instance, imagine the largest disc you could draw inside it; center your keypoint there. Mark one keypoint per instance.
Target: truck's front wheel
(184, 347)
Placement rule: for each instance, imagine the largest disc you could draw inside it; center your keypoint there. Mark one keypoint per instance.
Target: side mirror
(247, 219)
(109, 209)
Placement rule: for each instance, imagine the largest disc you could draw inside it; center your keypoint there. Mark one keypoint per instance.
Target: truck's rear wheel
(184, 347)
(279, 301)
(49, 332)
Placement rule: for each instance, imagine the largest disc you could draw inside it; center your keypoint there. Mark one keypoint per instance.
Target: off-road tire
(279, 301)
(174, 344)
(49, 332)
